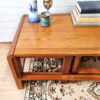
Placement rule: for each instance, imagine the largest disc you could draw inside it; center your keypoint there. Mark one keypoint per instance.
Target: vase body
(33, 12)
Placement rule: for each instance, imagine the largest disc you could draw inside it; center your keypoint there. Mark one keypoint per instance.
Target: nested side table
(86, 65)
(60, 40)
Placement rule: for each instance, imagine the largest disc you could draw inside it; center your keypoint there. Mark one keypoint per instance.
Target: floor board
(8, 89)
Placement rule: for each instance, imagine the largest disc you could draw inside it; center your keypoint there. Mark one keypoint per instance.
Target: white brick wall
(11, 11)
(59, 6)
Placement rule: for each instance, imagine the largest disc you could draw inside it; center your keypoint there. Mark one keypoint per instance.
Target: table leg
(76, 63)
(13, 67)
(22, 61)
(66, 65)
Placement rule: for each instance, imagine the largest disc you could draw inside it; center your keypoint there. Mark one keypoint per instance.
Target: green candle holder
(45, 19)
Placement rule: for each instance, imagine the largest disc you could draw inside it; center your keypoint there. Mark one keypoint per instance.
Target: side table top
(61, 38)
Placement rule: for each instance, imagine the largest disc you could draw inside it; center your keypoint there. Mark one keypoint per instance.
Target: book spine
(73, 19)
(83, 24)
(78, 7)
(87, 10)
(86, 15)
(87, 24)
(78, 19)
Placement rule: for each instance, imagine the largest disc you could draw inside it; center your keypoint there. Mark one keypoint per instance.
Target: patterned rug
(56, 90)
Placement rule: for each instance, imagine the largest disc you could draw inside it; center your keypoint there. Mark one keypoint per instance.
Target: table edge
(13, 45)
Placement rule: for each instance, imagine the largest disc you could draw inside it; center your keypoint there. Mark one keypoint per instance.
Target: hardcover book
(87, 19)
(90, 7)
(83, 24)
(86, 15)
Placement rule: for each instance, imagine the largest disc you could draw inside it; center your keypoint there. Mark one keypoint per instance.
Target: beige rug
(55, 90)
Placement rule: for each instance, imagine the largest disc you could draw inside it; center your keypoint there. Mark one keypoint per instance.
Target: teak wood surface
(60, 36)
(62, 40)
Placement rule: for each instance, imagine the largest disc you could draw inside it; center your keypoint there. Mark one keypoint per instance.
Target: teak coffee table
(60, 40)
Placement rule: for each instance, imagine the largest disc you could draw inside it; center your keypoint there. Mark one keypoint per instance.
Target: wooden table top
(61, 38)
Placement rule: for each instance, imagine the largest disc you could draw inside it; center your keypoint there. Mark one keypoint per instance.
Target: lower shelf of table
(60, 77)
(87, 65)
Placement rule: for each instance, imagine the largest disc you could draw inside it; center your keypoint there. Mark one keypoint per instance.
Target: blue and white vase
(33, 12)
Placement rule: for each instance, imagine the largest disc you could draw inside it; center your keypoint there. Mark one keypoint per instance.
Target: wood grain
(10, 56)
(61, 77)
(60, 36)
(88, 71)
(42, 73)
(76, 64)
(66, 64)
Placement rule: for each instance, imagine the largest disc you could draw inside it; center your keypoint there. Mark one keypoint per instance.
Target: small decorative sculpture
(33, 14)
(45, 16)
(47, 4)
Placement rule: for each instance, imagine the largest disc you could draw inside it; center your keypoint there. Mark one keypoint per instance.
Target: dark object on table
(88, 7)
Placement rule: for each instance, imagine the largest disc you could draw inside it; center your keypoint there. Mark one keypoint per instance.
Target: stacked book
(86, 13)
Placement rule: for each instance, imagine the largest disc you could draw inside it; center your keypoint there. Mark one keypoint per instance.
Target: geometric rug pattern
(56, 90)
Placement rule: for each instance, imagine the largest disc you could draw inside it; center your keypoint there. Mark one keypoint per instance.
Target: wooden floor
(8, 89)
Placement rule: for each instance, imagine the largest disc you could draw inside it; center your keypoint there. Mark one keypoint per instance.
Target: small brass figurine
(47, 4)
